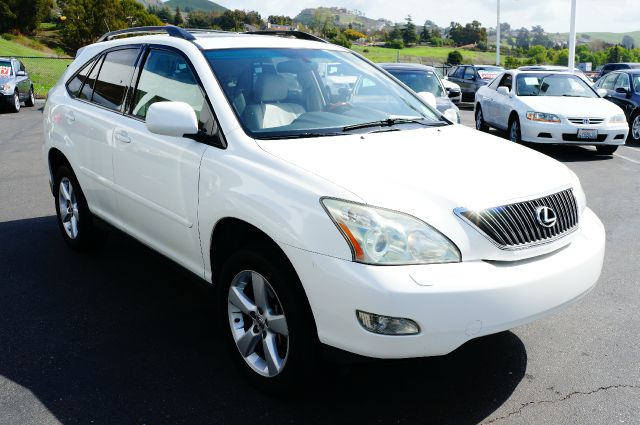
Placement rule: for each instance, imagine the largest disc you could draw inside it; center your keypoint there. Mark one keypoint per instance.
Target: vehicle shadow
(125, 336)
(565, 153)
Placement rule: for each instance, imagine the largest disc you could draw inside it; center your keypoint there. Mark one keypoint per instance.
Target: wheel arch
(55, 158)
(512, 115)
(231, 233)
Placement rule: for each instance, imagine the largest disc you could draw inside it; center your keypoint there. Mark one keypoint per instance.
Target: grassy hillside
(43, 67)
(191, 5)
(608, 37)
(339, 16)
(427, 55)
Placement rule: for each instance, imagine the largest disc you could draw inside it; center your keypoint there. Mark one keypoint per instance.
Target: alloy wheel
(68, 204)
(258, 323)
(514, 134)
(16, 101)
(635, 128)
(479, 120)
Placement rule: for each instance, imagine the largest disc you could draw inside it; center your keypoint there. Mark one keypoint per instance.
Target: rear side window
(469, 73)
(114, 78)
(90, 81)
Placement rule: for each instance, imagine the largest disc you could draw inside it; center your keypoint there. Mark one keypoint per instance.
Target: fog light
(386, 325)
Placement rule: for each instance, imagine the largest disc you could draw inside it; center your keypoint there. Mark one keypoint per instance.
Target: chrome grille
(586, 121)
(517, 226)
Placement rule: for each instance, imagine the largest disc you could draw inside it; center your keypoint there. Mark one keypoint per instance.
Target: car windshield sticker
(5, 71)
(487, 75)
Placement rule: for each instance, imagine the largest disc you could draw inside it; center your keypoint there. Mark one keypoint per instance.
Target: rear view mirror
(176, 119)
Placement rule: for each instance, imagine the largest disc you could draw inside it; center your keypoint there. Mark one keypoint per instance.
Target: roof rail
(289, 33)
(173, 31)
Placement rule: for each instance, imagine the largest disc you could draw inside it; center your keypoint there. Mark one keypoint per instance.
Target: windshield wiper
(391, 121)
(298, 135)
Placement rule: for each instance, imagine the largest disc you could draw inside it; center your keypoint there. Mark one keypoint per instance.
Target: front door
(157, 176)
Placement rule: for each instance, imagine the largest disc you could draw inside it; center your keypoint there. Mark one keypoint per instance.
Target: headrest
(271, 88)
(293, 67)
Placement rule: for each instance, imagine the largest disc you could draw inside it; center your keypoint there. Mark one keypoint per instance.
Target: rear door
(157, 176)
(623, 100)
(98, 91)
(468, 83)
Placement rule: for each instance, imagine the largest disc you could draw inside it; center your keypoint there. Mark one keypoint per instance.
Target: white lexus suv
(352, 216)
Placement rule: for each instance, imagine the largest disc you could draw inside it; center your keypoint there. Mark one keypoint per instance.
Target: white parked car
(550, 107)
(358, 219)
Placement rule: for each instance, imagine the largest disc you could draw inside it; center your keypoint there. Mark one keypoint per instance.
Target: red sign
(5, 71)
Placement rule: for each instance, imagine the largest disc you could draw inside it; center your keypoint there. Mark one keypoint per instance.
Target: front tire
(606, 149)
(515, 134)
(15, 102)
(75, 220)
(634, 128)
(267, 321)
(481, 125)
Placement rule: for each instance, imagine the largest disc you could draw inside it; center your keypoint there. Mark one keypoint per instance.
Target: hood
(417, 171)
(595, 107)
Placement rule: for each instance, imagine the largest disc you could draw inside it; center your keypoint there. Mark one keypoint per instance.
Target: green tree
(178, 18)
(164, 13)
(614, 54)
(454, 57)
(425, 35)
(409, 34)
(23, 15)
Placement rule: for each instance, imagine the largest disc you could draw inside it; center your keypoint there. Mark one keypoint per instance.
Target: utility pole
(572, 37)
(498, 37)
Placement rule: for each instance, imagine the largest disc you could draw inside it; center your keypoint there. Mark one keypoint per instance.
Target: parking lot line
(635, 161)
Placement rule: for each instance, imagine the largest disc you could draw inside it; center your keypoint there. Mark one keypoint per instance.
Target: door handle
(121, 136)
(70, 116)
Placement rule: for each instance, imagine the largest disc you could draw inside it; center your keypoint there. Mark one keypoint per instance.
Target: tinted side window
(90, 82)
(469, 73)
(114, 78)
(166, 76)
(622, 82)
(459, 72)
(74, 85)
(609, 81)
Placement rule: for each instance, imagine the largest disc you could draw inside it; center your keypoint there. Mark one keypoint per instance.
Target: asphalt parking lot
(124, 336)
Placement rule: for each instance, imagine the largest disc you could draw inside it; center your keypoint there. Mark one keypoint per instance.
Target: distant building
(585, 66)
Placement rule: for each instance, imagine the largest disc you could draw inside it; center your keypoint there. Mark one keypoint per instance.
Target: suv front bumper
(452, 303)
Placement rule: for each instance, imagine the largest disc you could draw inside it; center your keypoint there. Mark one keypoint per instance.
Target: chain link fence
(44, 71)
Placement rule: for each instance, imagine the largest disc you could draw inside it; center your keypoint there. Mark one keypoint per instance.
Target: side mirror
(503, 90)
(175, 119)
(429, 98)
(602, 92)
(21, 74)
(622, 90)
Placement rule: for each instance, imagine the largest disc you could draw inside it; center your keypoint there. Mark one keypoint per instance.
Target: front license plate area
(587, 134)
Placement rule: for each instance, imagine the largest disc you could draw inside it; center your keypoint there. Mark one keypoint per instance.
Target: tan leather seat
(269, 111)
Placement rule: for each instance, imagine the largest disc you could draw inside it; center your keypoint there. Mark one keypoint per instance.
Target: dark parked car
(616, 67)
(422, 78)
(471, 77)
(15, 85)
(623, 89)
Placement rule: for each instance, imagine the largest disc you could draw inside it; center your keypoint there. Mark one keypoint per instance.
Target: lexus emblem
(546, 217)
(586, 121)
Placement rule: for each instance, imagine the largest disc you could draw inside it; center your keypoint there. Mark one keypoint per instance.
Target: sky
(553, 15)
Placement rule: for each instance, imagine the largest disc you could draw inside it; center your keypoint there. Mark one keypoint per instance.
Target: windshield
(419, 81)
(5, 69)
(280, 93)
(552, 85)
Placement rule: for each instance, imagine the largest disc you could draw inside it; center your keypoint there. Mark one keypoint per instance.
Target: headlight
(542, 117)
(384, 237)
(452, 115)
(6, 87)
(618, 119)
(578, 192)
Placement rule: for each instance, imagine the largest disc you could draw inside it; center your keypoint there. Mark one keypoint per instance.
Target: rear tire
(31, 99)
(75, 220)
(278, 322)
(606, 149)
